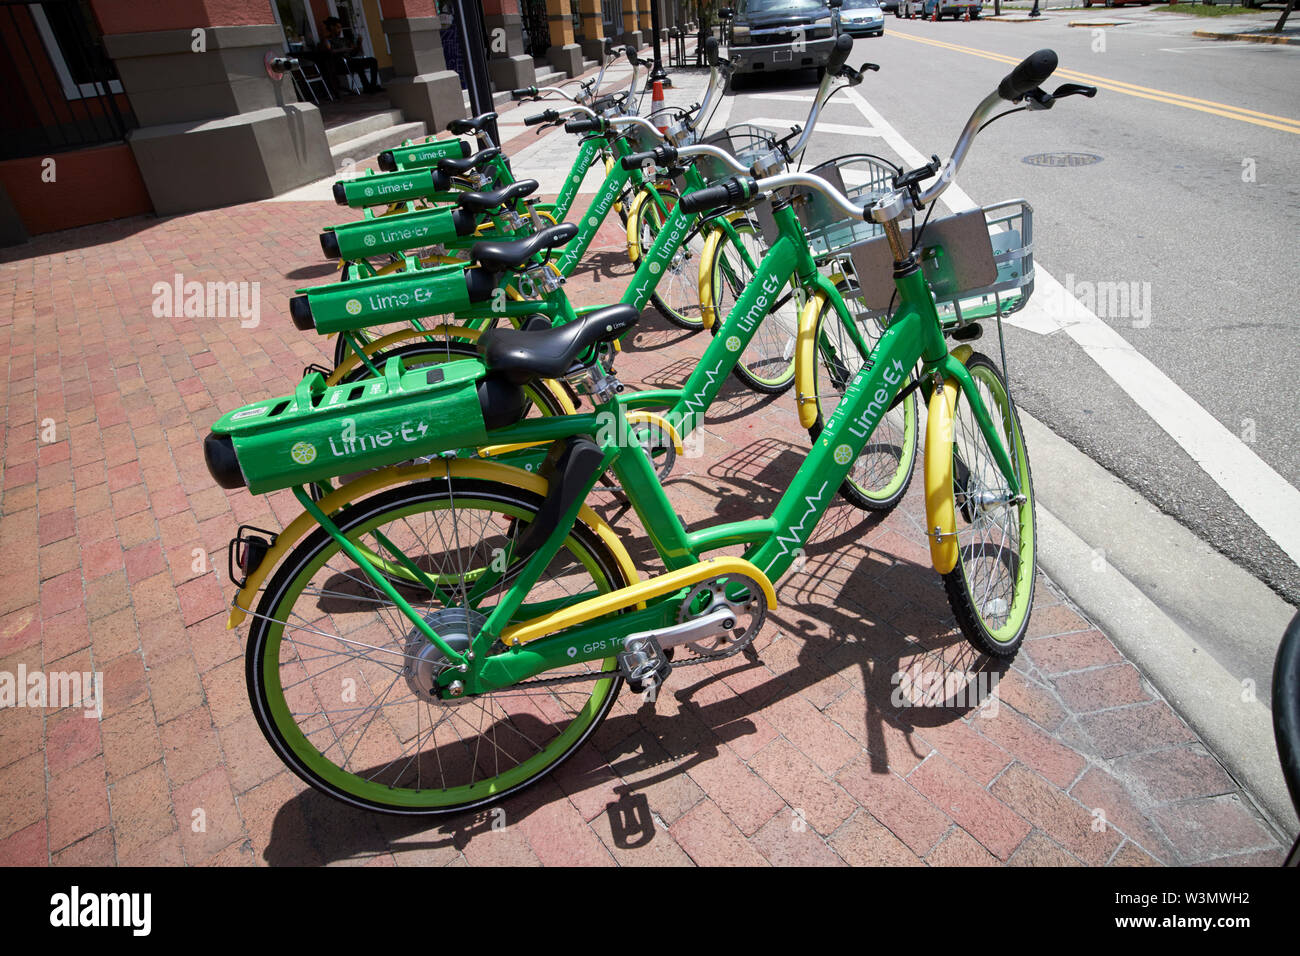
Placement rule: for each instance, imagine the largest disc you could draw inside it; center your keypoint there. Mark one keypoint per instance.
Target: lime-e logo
(304, 453)
(733, 343)
(842, 454)
(353, 306)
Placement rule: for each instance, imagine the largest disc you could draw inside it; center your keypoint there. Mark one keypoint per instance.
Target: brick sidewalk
(799, 757)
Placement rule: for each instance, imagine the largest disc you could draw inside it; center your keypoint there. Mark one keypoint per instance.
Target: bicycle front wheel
(991, 588)
(880, 477)
(677, 293)
(339, 677)
(766, 364)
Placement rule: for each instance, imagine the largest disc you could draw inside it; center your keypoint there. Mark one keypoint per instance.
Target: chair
(307, 73)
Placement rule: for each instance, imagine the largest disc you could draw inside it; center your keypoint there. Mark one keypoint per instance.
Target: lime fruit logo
(353, 306)
(369, 191)
(842, 454)
(655, 267)
(370, 240)
(733, 343)
(304, 453)
(593, 221)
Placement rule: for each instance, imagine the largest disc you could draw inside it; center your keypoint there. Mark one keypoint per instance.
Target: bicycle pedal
(644, 664)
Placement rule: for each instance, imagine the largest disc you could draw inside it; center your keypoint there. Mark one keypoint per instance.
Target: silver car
(862, 18)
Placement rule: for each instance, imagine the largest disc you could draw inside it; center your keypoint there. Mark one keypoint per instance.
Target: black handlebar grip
(839, 55)
(550, 116)
(711, 50)
(521, 93)
(638, 160)
(1032, 71)
(726, 193)
(582, 124)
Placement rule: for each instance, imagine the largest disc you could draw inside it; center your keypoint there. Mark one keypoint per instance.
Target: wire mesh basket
(641, 140)
(979, 264)
(860, 176)
(744, 141)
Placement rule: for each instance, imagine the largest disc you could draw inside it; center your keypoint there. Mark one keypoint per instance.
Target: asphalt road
(1197, 208)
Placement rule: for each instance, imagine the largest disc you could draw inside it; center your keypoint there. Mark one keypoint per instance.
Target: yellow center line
(1268, 120)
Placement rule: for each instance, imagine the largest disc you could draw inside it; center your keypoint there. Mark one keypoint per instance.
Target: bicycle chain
(604, 674)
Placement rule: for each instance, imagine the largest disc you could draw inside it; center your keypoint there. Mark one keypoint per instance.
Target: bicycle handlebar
(1025, 78)
(1030, 72)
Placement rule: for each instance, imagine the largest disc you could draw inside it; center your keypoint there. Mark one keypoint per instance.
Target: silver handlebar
(948, 171)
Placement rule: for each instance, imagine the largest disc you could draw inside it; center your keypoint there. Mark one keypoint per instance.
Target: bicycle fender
(940, 510)
(634, 225)
(384, 478)
(805, 360)
(708, 314)
(637, 594)
(654, 418)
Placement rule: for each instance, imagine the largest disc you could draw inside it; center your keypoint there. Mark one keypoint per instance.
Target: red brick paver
(111, 533)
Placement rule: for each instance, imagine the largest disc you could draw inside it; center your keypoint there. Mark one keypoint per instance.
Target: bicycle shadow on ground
(321, 270)
(861, 608)
(602, 265)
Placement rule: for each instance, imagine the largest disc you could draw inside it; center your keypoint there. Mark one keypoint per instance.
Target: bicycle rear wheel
(991, 588)
(337, 674)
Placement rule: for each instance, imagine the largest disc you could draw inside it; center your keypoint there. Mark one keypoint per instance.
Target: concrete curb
(1237, 727)
(1249, 37)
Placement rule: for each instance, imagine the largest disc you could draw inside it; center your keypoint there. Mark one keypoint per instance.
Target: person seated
(346, 55)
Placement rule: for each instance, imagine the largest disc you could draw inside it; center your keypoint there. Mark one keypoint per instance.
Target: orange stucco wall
(90, 185)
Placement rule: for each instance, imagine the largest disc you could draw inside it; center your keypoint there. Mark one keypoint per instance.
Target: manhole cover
(1062, 159)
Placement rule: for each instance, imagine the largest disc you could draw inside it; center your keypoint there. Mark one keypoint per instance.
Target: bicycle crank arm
(717, 623)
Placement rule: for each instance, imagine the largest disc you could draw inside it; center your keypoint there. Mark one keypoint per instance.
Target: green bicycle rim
(306, 756)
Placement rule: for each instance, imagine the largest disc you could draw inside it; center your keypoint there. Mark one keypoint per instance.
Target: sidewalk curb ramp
(1235, 724)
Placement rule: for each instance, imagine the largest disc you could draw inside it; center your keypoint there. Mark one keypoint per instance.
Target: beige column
(565, 54)
(631, 31)
(592, 39)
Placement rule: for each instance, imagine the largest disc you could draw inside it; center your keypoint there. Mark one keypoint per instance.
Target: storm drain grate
(1062, 159)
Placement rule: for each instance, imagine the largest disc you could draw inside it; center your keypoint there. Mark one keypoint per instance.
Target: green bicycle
(481, 619)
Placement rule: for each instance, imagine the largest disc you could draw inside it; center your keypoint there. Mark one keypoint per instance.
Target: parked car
(924, 9)
(862, 18)
(771, 35)
(890, 6)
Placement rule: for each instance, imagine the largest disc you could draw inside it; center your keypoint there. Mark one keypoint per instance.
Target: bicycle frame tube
(588, 152)
(610, 192)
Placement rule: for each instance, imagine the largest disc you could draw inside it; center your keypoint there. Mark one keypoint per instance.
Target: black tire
(884, 469)
(764, 365)
(676, 294)
(994, 621)
(324, 753)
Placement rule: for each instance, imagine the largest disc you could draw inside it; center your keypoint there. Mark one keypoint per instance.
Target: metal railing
(61, 88)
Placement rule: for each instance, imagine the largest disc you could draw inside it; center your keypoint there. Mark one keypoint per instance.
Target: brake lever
(1039, 99)
(1070, 89)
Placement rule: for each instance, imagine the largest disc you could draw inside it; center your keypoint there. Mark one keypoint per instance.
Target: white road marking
(1264, 495)
(786, 97)
(841, 129)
